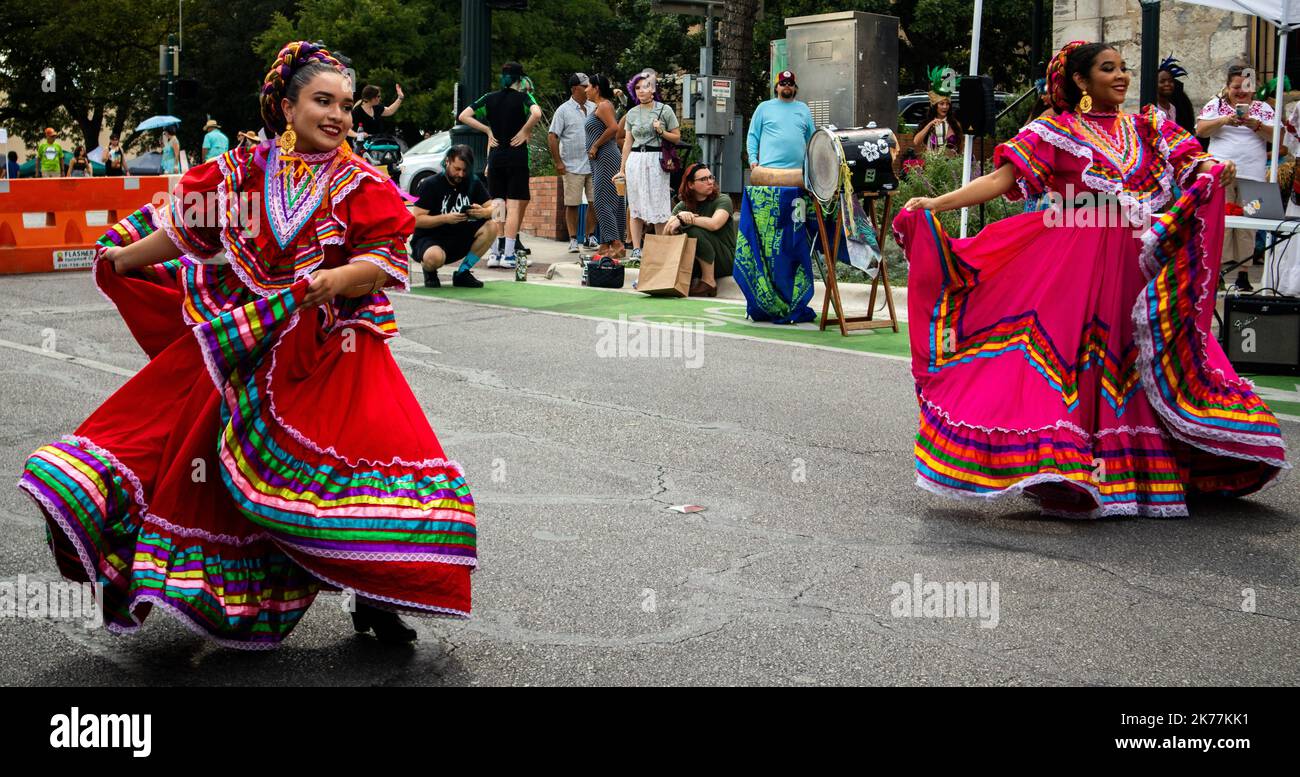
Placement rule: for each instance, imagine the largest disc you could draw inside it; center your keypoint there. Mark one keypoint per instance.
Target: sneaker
(591, 242)
(493, 260)
(431, 280)
(465, 280)
(573, 246)
(508, 262)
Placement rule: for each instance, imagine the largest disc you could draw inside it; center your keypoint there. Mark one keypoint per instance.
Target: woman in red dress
(271, 447)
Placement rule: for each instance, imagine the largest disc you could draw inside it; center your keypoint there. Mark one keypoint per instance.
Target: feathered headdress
(938, 89)
(1172, 66)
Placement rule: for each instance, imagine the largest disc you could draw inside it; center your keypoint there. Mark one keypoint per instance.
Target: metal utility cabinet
(847, 66)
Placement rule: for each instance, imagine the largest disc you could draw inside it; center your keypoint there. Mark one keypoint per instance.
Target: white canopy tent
(1284, 15)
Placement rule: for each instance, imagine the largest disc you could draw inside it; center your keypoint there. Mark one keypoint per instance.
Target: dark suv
(912, 107)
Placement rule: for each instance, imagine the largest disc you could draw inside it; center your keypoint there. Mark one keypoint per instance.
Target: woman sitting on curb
(704, 213)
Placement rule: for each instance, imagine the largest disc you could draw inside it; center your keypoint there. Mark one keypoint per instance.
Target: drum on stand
(868, 154)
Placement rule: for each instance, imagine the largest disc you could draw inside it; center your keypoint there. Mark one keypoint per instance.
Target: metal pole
(1280, 107)
(707, 146)
(974, 70)
(1150, 51)
(171, 74)
(475, 66)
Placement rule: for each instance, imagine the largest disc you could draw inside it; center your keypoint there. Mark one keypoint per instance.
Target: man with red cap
(49, 156)
(781, 128)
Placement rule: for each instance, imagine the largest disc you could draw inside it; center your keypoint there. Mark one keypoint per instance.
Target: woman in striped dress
(602, 128)
(271, 448)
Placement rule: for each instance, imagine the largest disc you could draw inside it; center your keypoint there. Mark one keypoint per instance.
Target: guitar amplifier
(1262, 334)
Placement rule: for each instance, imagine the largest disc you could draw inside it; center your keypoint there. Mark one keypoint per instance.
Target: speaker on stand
(977, 112)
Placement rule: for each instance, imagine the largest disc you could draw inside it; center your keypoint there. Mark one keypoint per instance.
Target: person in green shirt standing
(704, 213)
(49, 156)
(215, 142)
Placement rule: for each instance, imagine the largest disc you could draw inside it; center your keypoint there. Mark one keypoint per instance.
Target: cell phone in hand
(1241, 112)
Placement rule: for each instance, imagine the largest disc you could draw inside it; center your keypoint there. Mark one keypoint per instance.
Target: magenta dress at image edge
(1073, 361)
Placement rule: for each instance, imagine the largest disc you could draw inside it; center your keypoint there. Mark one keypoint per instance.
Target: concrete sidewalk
(567, 272)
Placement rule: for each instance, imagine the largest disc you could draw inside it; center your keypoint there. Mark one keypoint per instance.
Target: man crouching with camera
(453, 221)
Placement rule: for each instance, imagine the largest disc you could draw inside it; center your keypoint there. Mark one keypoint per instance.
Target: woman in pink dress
(1067, 354)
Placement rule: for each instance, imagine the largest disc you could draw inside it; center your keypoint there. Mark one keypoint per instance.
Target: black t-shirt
(439, 198)
(505, 111)
(371, 125)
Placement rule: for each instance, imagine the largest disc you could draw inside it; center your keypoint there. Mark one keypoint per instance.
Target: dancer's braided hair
(1074, 57)
(294, 67)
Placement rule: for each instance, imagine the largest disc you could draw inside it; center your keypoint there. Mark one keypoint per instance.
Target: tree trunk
(90, 124)
(736, 43)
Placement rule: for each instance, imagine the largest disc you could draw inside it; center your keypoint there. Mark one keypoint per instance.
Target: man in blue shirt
(781, 128)
(215, 142)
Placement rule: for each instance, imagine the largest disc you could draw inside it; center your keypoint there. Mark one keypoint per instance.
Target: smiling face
(1237, 91)
(322, 115)
(942, 107)
(1107, 82)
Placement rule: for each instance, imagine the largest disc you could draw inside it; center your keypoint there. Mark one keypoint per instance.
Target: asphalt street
(802, 460)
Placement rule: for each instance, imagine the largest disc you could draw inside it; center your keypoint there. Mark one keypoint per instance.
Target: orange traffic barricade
(49, 224)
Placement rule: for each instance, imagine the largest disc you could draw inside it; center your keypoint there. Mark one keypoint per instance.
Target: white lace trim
(419, 609)
(398, 275)
(142, 597)
(223, 539)
(359, 555)
(1184, 430)
(948, 419)
(1019, 488)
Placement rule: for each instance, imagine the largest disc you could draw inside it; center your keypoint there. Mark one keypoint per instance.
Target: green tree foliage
(937, 33)
(103, 57)
(105, 53)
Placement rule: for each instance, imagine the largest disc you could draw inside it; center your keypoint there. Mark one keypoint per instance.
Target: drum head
(822, 168)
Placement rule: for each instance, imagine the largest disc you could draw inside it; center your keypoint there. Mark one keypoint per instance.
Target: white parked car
(423, 160)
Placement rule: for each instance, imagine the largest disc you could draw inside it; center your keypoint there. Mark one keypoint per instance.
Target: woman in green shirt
(704, 213)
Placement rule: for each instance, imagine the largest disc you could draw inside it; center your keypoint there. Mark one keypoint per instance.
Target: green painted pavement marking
(724, 317)
(1281, 392)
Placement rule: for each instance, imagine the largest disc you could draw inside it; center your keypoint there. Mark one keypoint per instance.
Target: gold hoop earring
(1085, 102)
(288, 139)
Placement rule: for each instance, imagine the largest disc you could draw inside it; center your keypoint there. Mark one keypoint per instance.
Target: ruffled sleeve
(1032, 157)
(378, 225)
(1184, 151)
(190, 217)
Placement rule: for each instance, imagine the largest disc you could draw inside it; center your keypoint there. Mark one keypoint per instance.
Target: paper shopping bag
(666, 264)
